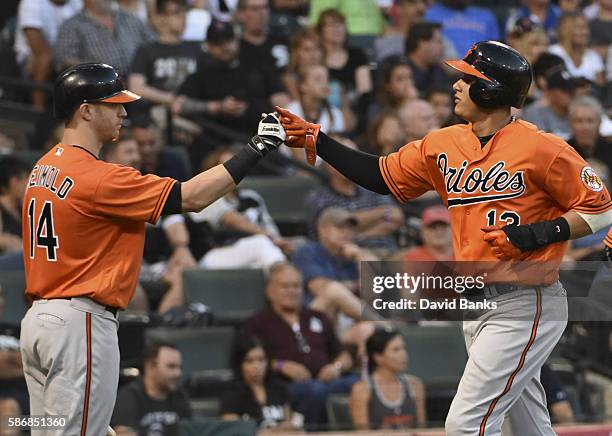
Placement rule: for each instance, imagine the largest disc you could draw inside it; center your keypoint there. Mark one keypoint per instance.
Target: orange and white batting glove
(500, 244)
(300, 133)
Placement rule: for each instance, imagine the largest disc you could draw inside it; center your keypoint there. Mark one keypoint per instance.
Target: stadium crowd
(371, 73)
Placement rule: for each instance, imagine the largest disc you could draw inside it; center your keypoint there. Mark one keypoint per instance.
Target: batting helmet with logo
(503, 75)
(86, 83)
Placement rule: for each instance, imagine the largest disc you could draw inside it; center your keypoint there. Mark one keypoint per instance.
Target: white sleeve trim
(597, 221)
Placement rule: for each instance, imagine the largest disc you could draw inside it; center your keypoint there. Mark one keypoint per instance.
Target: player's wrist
(531, 237)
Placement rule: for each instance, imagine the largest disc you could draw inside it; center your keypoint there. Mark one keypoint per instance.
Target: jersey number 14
(41, 231)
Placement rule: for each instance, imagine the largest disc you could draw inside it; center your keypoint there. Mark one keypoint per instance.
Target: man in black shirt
(257, 47)
(153, 405)
(225, 89)
(423, 49)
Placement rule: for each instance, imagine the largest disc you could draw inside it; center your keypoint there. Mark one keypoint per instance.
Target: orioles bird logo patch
(591, 180)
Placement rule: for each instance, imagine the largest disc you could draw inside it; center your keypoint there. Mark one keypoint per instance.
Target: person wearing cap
(550, 114)
(435, 235)
(330, 265)
(227, 91)
(83, 237)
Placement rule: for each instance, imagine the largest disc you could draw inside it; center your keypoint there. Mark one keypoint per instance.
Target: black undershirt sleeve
(362, 168)
(174, 202)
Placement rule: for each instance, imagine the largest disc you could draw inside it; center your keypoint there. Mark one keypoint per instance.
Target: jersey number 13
(41, 231)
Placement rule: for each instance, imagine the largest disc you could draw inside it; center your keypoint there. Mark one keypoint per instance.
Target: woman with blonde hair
(573, 47)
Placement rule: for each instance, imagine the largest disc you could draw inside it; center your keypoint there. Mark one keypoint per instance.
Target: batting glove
(500, 244)
(300, 133)
(270, 134)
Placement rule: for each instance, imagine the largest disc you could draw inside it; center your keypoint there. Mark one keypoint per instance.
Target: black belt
(110, 309)
(491, 291)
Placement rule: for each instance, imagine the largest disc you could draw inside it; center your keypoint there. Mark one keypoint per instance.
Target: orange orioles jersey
(521, 176)
(84, 224)
(608, 239)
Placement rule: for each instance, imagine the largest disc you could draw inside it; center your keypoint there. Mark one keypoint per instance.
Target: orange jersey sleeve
(406, 173)
(125, 193)
(608, 238)
(573, 184)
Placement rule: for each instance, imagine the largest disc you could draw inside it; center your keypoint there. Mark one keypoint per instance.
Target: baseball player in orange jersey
(513, 193)
(83, 238)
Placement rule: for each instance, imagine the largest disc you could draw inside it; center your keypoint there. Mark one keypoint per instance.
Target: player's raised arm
(362, 168)
(201, 190)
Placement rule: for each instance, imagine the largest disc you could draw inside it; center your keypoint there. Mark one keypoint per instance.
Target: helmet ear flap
(487, 95)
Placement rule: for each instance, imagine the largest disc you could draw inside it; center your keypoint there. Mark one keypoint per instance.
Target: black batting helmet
(503, 75)
(84, 83)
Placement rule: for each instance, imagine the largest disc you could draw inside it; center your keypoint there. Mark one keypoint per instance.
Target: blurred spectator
(100, 34)
(159, 68)
(441, 99)
(550, 112)
(463, 24)
(155, 159)
(529, 39)
(559, 407)
(13, 389)
(8, 11)
(392, 42)
(388, 397)
(257, 47)
(302, 345)
(255, 394)
(435, 236)
(423, 50)
(13, 179)
(348, 66)
(197, 21)
(244, 234)
(305, 50)
(364, 20)
(541, 12)
(312, 105)
(394, 86)
(222, 10)
(377, 216)
(153, 404)
(601, 35)
(123, 151)
(297, 8)
(137, 8)
(330, 266)
(585, 115)
(385, 134)
(9, 407)
(227, 91)
(418, 118)
(38, 22)
(573, 48)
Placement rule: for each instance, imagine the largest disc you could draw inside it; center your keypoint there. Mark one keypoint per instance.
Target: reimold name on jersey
(46, 176)
(496, 183)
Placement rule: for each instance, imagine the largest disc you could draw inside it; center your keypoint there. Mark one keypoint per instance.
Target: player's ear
(85, 111)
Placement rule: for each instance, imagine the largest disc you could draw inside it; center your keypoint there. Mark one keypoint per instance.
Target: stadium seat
(205, 408)
(231, 295)
(284, 197)
(13, 288)
(217, 428)
(204, 349)
(338, 413)
(437, 356)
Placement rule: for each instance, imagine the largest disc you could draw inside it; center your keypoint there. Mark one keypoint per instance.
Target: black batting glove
(270, 134)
